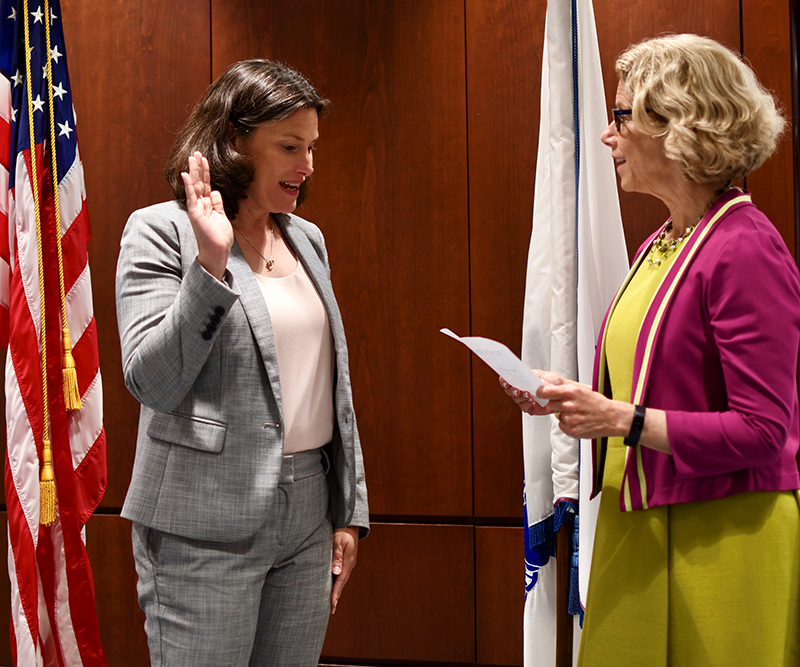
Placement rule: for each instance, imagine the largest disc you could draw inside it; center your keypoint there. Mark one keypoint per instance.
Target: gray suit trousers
(262, 601)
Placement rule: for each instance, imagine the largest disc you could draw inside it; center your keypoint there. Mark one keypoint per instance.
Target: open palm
(212, 229)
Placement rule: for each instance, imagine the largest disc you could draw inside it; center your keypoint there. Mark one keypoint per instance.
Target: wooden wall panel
(132, 88)
(108, 542)
(504, 50)
(390, 194)
(411, 597)
(499, 594)
(719, 19)
(766, 44)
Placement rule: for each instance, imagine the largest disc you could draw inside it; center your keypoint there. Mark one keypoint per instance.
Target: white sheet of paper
(503, 362)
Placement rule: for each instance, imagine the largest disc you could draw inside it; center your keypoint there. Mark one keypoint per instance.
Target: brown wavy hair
(249, 94)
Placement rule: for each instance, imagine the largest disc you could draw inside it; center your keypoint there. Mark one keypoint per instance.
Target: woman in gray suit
(247, 496)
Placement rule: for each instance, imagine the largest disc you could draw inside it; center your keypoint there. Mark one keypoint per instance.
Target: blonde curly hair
(717, 120)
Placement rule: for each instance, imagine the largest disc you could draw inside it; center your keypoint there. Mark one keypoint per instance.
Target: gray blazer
(199, 355)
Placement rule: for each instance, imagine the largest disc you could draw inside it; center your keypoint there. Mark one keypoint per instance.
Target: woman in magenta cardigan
(694, 411)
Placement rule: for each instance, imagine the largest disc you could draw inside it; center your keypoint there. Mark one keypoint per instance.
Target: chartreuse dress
(692, 584)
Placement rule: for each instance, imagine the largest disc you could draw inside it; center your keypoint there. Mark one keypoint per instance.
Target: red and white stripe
(52, 596)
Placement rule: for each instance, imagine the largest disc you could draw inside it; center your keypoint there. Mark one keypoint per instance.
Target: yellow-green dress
(692, 584)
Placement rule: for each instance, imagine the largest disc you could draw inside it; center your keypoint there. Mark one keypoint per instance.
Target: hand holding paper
(503, 362)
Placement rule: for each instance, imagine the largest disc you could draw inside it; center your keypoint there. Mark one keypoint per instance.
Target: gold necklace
(268, 263)
(666, 248)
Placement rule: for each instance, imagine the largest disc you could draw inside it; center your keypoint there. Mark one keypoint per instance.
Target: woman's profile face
(639, 158)
(282, 154)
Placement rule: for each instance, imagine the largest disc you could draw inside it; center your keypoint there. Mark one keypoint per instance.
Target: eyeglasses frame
(620, 116)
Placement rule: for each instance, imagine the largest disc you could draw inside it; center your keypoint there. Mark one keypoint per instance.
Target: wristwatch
(636, 427)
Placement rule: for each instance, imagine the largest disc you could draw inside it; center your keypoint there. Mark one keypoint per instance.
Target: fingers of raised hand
(191, 195)
(190, 182)
(205, 170)
(216, 202)
(198, 176)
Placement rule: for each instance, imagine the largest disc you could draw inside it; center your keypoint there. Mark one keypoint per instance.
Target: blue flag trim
(540, 543)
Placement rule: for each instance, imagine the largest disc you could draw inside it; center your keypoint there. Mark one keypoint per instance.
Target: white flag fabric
(576, 262)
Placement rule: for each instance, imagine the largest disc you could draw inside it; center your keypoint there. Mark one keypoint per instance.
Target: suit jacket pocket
(201, 433)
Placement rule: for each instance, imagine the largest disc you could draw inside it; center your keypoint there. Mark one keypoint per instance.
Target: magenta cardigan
(718, 351)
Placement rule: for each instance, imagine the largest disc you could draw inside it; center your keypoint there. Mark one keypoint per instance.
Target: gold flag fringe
(72, 397)
(47, 488)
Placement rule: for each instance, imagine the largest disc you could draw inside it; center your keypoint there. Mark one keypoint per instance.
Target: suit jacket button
(207, 335)
(211, 327)
(219, 310)
(215, 319)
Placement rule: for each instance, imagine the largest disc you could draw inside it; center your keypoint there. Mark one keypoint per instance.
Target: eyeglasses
(621, 116)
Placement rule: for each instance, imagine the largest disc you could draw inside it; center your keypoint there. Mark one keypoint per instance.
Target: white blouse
(305, 358)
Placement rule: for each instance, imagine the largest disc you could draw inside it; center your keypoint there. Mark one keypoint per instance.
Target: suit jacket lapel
(255, 309)
(319, 275)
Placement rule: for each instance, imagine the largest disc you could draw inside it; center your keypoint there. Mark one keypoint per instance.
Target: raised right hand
(211, 226)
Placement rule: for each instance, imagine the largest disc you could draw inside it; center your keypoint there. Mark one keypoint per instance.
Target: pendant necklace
(268, 263)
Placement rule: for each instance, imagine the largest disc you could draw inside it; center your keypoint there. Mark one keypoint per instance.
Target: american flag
(45, 285)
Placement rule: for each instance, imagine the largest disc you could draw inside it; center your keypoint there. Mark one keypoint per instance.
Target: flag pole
(564, 620)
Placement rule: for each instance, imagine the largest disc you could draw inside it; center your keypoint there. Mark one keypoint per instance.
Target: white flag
(576, 262)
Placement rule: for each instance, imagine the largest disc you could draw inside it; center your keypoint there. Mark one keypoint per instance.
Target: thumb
(551, 378)
(338, 558)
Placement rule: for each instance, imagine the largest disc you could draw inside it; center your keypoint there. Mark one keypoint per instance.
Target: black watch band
(636, 427)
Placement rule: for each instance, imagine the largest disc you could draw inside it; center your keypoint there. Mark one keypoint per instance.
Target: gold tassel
(72, 397)
(47, 489)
